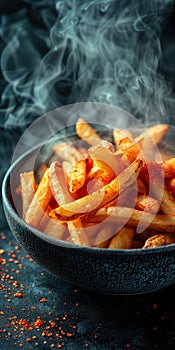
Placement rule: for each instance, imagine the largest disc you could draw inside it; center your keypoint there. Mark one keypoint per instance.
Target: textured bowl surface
(100, 270)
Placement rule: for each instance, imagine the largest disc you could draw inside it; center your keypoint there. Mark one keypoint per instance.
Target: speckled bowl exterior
(96, 269)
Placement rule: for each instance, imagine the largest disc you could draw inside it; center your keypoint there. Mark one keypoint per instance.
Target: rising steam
(59, 52)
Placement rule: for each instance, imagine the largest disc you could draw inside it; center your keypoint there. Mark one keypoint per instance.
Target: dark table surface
(37, 309)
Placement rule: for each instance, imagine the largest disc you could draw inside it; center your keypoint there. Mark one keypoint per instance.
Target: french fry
(58, 184)
(169, 168)
(123, 239)
(159, 222)
(131, 150)
(101, 197)
(66, 167)
(159, 240)
(171, 186)
(76, 176)
(86, 132)
(55, 228)
(101, 172)
(104, 152)
(67, 152)
(39, 202)
(147, 203)
(28, 189)
(77, 232)
(152, 136)
(120, 134)
(103, 237)
(165, 198)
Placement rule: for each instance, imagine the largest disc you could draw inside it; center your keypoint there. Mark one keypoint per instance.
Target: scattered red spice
(28, 340)
(18, 295)
(43, 300)
(38, 323)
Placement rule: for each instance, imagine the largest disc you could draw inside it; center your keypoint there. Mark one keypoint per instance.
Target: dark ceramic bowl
(97, 269)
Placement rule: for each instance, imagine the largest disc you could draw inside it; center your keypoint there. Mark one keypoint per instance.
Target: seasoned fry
(101, 172)
(147, 203)
(123, 239)
(105, 152)
(169, 167)
(86, 132)
(99, 198)
(103, 236)
(120, 134)
(66, 167)
(67, 152)
(152, 136)
(28, 189)
(159, 240)
(39, 202)
(58, 184)
(77, 232)
(131, 150)
(76, 176)
(165, 198)
(133, 217)
(55, 228)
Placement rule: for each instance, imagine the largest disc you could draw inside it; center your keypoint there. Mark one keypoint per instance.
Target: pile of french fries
(99, 195)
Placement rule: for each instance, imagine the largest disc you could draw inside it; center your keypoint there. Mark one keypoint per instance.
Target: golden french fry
(105, 152)
(55, 228)
(165, 198)
(147, 203)
(120, 134)
(77, 232)
(159, 240)
(67, 152)
(45, 218)
(152, 136)
(101, 172)
(66, 167)
(159, 222)
(103, 235)
(58, 184)
(86, 132)
(123, 239)
(131, 150)
(76, 176)
(171, 186)
(169, 168)
(101, 197)
(28, 189)
(39, 202)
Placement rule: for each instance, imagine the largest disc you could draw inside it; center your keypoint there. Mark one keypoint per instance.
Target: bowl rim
(59, 242)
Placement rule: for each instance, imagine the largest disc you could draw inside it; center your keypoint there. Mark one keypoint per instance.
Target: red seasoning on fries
(99, 194)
